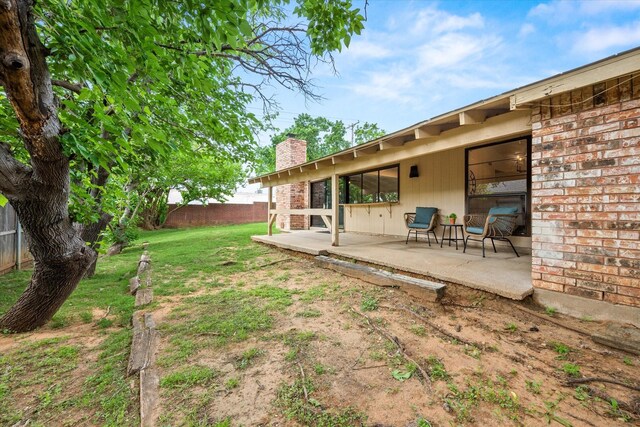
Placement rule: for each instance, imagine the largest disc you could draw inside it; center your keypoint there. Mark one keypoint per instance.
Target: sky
(419, 59)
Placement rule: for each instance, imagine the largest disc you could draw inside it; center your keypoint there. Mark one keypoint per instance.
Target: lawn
(251, 335)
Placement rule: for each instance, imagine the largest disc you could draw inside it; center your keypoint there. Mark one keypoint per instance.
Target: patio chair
(497, 225)
(423, 220)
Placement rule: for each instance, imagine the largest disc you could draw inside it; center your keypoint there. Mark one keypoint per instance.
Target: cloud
(439, 49)
(526, 29)
(362, 49)
(599, 39)
(564, 10)
(434, 21)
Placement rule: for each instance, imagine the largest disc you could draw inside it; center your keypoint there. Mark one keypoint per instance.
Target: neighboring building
(564, 150)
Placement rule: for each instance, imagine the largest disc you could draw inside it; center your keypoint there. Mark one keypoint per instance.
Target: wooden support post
(335, 207)
(269, 207)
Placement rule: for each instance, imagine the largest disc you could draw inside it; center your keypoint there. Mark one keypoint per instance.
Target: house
(564, 150)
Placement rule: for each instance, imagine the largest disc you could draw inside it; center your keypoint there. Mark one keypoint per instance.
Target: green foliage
(562, 349)
(369, 303)
(125, 232)
(571, 369)
(437, 370)
(551, 311)
(188, 377)
(533, 386)
(292, 400)
(401, 375)
(322, 135)
(419, 330)
(511, 327)
(248, 358)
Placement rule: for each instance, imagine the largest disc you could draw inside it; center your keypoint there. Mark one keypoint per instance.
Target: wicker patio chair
(499, 224)
(423, 220)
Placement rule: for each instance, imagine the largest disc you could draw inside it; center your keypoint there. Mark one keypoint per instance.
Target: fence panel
(8, 240)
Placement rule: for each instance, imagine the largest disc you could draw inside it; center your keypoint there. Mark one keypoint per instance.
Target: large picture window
(374, 186)
(499, 175)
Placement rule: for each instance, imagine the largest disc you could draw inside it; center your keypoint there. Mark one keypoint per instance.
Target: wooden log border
(145, 342)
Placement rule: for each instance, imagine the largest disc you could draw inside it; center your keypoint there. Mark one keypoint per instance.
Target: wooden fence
(13, 246)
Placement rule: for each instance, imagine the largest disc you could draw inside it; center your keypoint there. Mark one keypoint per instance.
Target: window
(379, 185)
(499, 175)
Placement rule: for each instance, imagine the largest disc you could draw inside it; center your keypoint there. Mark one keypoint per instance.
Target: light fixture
(413, 172)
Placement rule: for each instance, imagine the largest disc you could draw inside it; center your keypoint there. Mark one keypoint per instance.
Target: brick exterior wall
(586, 192)
(292, 152)
(216, 213)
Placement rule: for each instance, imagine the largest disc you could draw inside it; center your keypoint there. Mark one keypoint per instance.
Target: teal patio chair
(499, 224)
(423, 220)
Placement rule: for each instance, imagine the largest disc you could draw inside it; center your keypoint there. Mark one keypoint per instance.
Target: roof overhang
(446, 127)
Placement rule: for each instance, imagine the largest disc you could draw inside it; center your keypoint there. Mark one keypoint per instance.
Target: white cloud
(421, 59)
(562, 10)
(526, 29)
(434, 21)
(453, 49)
(362, 49)
(388, 86)
(599, 39)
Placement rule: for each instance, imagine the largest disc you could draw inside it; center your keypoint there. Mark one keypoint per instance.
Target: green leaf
(401, 376)
(3, 201)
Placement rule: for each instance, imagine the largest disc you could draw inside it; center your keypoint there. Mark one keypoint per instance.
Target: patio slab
(500, 273)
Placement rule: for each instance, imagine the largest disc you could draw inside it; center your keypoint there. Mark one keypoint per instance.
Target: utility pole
(352, 126)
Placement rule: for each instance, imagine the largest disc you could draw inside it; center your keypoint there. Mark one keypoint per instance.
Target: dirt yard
(292, 344)
(253, 336)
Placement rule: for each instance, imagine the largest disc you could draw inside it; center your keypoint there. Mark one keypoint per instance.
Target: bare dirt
(504, 366)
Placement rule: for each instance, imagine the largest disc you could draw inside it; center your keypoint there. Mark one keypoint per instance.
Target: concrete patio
(500, 273)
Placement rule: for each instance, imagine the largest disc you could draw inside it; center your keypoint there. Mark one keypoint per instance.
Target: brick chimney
(291, 152)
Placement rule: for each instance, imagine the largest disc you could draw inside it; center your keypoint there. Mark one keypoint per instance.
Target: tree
(96, 88)
(322, 135)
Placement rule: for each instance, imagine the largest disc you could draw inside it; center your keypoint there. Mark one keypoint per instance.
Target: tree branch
(67, 85)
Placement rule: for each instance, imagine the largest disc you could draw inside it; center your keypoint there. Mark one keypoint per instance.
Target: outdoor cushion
(416, 225)
(506, 210)
(475, 230)
(423, 216)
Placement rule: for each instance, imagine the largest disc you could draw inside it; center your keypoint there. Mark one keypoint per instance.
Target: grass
(248, 358)
(571, 369)
(369, 303)
(188, 377)
(511, 327)
(494, 392)
(562, 350)
(437, 370)
(310, 412)
(46, 369)
(533, 387)
(66, 382)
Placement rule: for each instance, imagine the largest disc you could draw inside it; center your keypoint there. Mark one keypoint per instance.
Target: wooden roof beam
(391, 143)
(427, 131)
(341, 158)
(367, 151)
(310, 167)
(472, 117)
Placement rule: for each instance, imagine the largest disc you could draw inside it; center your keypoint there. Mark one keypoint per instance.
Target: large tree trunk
(38, 193)
(61, 259)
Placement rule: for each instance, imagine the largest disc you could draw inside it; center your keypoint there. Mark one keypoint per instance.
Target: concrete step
(418, 288)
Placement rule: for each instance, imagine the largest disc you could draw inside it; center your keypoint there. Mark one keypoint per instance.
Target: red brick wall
(216, 213)
(586, 192)
(292, 152)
